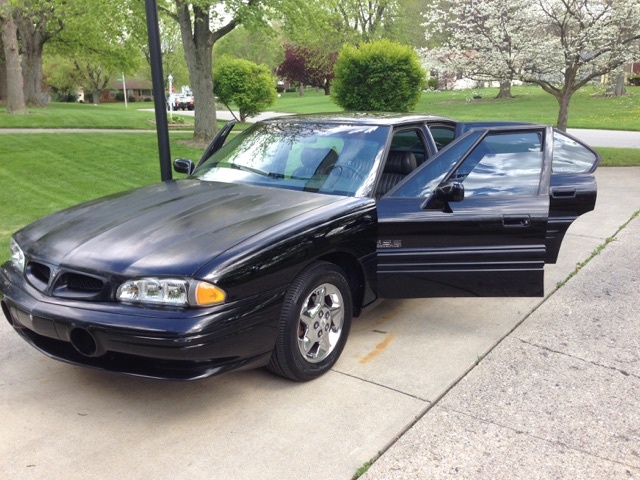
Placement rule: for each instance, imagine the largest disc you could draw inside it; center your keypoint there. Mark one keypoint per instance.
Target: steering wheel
(356, 173)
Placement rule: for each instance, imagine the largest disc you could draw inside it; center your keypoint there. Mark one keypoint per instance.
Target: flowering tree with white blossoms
(559, 45)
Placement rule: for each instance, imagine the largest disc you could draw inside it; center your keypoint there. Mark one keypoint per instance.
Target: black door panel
(468, 252)
(571, 195)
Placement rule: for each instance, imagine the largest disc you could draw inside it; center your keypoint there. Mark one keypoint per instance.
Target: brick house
(139, 90)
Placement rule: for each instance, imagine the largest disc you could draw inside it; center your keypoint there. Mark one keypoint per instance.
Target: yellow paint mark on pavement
(381, 347)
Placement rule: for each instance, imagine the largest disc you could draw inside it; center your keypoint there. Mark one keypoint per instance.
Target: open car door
(471, 221)
(573, 187)
(217, 142)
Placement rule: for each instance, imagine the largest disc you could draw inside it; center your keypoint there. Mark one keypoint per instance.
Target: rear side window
(570, 156)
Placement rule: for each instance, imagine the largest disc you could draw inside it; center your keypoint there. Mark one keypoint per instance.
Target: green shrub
(249, 86)
(378, 76)
(634, 80)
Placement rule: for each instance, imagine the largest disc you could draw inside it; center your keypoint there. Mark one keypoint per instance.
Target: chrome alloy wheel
(320, 323)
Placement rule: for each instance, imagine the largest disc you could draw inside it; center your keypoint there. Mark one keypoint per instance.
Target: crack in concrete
(591, 362)
(519, 431)
(386, 387)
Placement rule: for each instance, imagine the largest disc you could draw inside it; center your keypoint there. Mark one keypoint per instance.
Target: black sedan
(277, 238)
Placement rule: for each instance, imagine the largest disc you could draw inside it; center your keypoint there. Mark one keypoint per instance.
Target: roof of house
(131, 83)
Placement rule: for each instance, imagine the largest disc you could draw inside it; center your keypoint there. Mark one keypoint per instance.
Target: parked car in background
(277, 238)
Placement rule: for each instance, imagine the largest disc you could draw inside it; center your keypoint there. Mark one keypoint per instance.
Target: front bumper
(179, 344)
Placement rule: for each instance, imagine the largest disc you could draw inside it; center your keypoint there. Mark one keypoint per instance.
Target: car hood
(172, 228)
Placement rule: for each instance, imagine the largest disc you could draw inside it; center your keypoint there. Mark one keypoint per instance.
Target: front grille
(38, 275)
(77, 285)
(80, 283)
(65, 283)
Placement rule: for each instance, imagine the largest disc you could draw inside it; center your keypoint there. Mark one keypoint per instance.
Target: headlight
(17, 256)
(170, 291)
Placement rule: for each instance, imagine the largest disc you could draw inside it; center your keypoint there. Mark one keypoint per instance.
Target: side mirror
(449, 192)
(183, 165)
(443, 195)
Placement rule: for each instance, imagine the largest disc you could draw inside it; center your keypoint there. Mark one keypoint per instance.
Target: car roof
(359, 118)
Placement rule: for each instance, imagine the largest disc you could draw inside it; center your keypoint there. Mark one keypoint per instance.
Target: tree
(366, 19)
(38, 22)
(173, 61)
(482, 44)
(560, 45)
(91, 60)
(92, 77)
(308, 66)
(251, 87)
(405, 25)
(261, 46)
(378, 76)
(616, 86)
(61, 76)
(202, 24)
(15, 95)
(85, 25)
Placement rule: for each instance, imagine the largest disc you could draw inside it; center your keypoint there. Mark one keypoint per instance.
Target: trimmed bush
(380, 76)
(251, 87)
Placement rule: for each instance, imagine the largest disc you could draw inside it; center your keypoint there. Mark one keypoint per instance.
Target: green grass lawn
(83, 115)
(619, 157)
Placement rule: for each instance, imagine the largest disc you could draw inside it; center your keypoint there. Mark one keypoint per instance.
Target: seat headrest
(311, 157)
(400, 161)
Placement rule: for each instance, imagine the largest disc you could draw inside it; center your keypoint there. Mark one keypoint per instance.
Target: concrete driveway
(61, 421)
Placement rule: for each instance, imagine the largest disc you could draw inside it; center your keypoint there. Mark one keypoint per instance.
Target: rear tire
(314, 323)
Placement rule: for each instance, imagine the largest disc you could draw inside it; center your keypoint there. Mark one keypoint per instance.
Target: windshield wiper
(257, 171)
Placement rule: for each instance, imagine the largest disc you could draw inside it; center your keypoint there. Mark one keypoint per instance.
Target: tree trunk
(3, 74)
(617, 88)
(327, 87)
(15, 93)
(301, 89)
(505, 90)
(564, 99)
(198, 41)
(95, 97)
(32, 44)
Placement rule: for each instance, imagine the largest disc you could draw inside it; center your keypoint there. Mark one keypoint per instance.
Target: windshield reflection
(315, 157)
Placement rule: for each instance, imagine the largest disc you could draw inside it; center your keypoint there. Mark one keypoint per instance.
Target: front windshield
(325, 158)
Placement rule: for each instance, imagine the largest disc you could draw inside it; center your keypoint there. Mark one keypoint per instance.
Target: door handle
(516, 221)
(563, 192)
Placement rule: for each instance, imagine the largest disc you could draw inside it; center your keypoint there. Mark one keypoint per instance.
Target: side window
(443, 135)
(569, 156)
(503, 164)
(410, 141)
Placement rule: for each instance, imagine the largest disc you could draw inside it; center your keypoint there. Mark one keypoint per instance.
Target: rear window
(570, 156)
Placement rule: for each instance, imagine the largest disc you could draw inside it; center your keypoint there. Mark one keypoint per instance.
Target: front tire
(314, 323)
